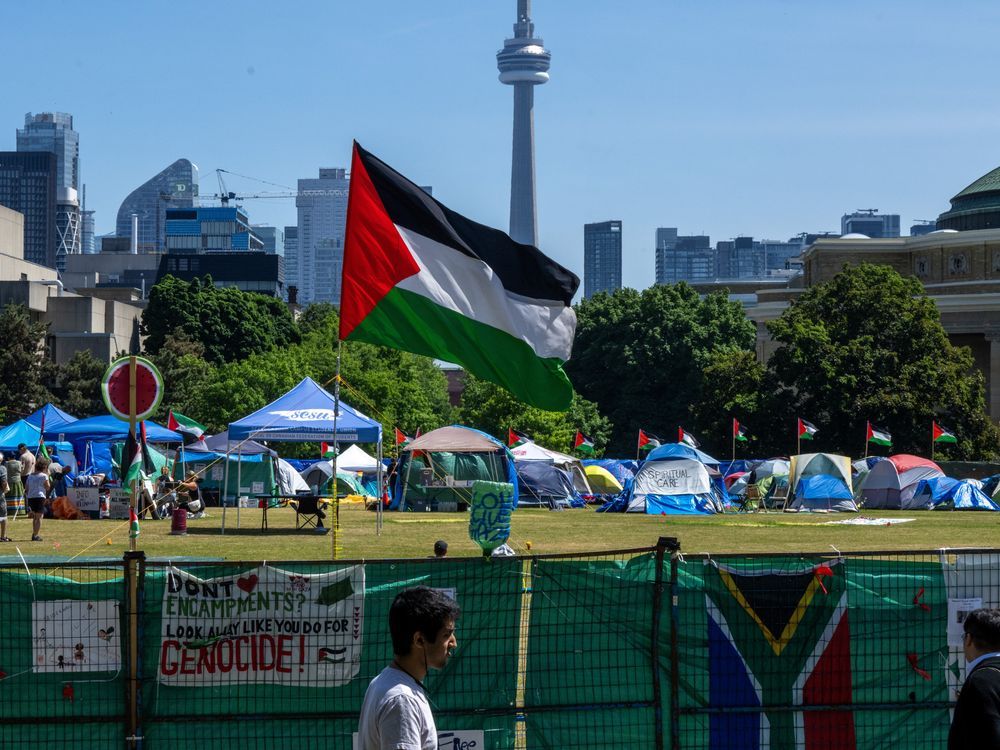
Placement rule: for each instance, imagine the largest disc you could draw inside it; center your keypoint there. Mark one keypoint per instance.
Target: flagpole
(798, 438)
(932, 440)
(734, 443)
(336, 450)
(637, 447)
(868, 426)
(133, 442)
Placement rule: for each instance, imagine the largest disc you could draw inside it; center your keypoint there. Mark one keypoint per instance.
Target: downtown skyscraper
(52, 132)
(602, 257)
(314, 258)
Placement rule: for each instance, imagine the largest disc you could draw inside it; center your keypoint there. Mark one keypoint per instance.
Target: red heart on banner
(249, 583)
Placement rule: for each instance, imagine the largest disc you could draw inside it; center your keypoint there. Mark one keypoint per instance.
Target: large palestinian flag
(422, 278)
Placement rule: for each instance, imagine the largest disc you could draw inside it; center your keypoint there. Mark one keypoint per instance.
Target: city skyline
(829, 113)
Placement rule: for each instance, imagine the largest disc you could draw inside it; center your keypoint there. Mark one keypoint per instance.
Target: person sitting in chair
(189, 496)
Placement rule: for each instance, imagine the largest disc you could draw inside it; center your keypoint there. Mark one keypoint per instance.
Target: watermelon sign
(148, 388)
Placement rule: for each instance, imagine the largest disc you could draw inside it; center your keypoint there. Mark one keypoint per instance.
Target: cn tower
(523, 63)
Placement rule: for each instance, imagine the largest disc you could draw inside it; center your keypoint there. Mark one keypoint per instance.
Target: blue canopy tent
(307, 413)
(105, 429)
(23, 431)
(51, 416)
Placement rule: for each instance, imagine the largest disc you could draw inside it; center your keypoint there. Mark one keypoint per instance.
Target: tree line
(867, 345)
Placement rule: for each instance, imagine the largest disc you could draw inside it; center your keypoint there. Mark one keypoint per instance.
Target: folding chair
(779, 499)
(308, 512)
(752, 500)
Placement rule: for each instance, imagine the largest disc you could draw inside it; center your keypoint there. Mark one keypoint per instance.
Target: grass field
(534, 531)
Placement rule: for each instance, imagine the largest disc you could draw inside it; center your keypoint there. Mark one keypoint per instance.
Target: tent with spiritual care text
(674, 480)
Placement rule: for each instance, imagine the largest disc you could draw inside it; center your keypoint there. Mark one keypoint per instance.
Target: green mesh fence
(641, 648)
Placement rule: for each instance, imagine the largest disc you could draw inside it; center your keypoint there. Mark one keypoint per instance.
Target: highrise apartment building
(28, 185)
(869, 222)
(602, 257)
(53, 132)
(683, 257)
(315, 257)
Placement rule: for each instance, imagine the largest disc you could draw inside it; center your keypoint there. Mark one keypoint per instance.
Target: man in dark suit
(976, 723)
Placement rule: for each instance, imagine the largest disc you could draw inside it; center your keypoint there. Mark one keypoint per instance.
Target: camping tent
(945, 493)
(531, 451)
(436, 470)
(621, 469)
(891, 483)
(821, 481)
(307, 413)
(355, 459)
(318, 476)
(673, 480)
(545, 485)
(602, 481)
(290, 482)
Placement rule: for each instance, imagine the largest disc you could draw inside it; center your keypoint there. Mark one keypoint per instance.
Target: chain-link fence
(638, 648)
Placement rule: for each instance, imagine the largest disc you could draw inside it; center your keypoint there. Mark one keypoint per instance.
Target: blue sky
(767, 118)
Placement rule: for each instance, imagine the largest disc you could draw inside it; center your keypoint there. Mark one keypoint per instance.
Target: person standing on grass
(15, 487)
(396, 714)
(976, 723)
(3, 502)
(37, 489)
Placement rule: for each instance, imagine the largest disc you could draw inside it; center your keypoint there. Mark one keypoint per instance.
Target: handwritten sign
(75, 636)
(84, 498)
(262, 626)
(489, 514)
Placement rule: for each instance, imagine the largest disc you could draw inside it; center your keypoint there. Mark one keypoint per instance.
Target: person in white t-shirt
(396, 714)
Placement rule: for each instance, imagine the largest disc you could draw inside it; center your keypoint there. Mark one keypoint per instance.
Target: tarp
(822, 492)
(454, 439)
(23, 431)
(945, 493)
(306, 414)
(54, 417)
(809, 464)
(107, 429)
(545, 485)
(681, 450)
(677, 485)
(891, 483)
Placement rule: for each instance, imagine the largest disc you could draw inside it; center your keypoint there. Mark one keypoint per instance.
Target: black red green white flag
(687, 438)
(940, 435)
(419, 277)
(648, 441)
(515, 438)
(185, 425)
(806, 430)
(740, 431)
(401, 437)
(877, 435)
(583, 444)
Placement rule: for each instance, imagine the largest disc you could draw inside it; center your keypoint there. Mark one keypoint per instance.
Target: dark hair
(419, 610)
(21, 447)
(984, 627)
(440, 547)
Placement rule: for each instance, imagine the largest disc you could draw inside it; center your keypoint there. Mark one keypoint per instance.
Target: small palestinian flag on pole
(583, 444)
(422, 278)
(940, 435)
(687, 438)
(139, 460)
(190, 429)
(806, 430)
(326, 450)
(133, 524)
(877, 436)
(648, 441)
(740, 431)
(401, 438)
(515, 438)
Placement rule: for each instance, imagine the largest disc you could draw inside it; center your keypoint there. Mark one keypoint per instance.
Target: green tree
(181, 361)
(492, 409)
(642, 357)
(395, 388)
(24, 367)
(733, 387)
(230, 324)
(77, 385)
(869, 345)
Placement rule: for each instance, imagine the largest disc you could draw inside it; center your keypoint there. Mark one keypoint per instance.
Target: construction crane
(225, 195)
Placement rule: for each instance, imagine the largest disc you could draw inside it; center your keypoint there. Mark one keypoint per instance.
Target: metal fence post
(135, 569)
(662, 545)
(673, 545)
